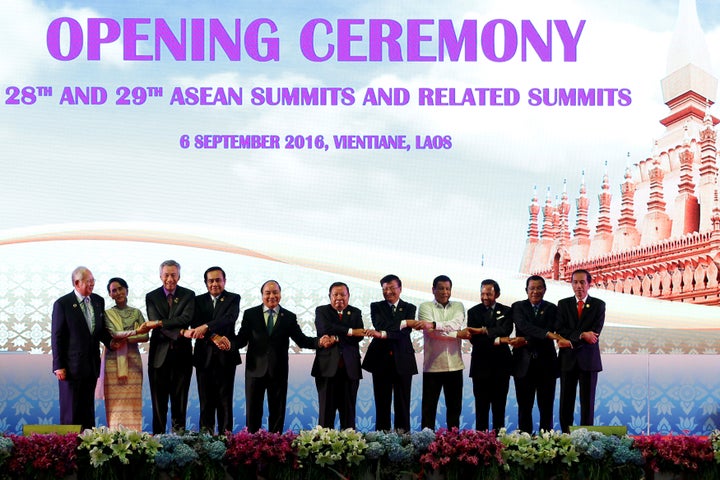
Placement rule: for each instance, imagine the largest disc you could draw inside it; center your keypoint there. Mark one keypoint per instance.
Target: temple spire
(627, 235)
(580, 244)
(582, 204)
(564, 212)
(603, 240)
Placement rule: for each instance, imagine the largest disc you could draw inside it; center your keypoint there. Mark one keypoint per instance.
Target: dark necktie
(271, 322)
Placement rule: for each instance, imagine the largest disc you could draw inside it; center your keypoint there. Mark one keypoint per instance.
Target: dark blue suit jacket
(327, 359)
(397, 347)
(268, 353)
(585, 355)
(220, 321)
(534, 328)
(74, 348)
(175, 319)
(488, 359)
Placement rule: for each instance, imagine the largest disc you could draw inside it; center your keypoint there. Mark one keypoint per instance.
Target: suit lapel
(79, 315)
(586, 310)
(219, 305)
(279, 320)
(489, 317)
(261, 325)
(162, 303)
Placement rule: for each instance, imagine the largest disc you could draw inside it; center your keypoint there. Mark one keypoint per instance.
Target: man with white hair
(78, 327)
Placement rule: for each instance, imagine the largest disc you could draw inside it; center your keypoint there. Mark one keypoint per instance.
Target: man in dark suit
(267, 330)
(215, 361)
(535, 364)
(580, 321)
(391, 357)
(170, 358)
(337, 369)
(489, 326)
(78, 327)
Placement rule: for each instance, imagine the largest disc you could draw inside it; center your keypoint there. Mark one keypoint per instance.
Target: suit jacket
(74, 348)
(586, 355)
(220, 321)
(175, 319)
(534, 328)
(268, 353)
(397, 347)
(327, 359)
(488, 359)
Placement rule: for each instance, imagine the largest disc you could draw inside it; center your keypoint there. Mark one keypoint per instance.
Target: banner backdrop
(321, 142)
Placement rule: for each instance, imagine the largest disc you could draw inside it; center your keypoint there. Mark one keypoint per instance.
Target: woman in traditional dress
(123, 370)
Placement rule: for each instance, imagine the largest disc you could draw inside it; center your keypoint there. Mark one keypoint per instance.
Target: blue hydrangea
(596, 450)
(169, 442)
(216, 449)
(184, 454)
(624, 454)
(374, 450)
(399, 454)
(163, 459)
(422, 440)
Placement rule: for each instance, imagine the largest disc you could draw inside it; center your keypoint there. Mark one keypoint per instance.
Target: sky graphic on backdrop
(124, 164)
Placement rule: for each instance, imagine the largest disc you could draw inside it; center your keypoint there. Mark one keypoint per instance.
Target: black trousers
(389, 386)
(435, 382)
(490, 392)
(170, 382)
(215, 391)
(337, 394)
(536, 381)
(255, 388)
(569, 381)
(77, 402)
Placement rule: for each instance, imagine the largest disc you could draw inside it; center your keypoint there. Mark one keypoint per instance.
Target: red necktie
(580, 306)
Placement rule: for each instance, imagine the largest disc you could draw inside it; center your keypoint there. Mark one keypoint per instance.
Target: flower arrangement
(117, 453)
(608, 456)
(321, 453)
(544, 454)
(678, 454)
(271, 454)
(191, 455)
(395, 455)
(41, 456)
(715, 444)
(464, 454)
(324, 450)
(6, 447)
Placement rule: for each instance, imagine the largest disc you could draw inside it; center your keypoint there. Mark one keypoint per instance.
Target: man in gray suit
(170, 359)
